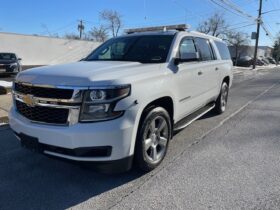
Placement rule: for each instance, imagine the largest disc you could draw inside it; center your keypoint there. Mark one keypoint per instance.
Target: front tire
(221, 102)
(153, 137)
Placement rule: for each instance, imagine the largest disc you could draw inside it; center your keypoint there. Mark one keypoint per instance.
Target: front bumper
(65, 141)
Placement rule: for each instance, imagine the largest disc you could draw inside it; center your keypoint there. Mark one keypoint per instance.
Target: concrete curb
(4, 90)
(5, 87)
(4, 127)
(4, 120)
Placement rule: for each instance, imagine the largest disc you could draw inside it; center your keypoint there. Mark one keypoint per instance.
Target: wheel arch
(226, 80)
(165, 102)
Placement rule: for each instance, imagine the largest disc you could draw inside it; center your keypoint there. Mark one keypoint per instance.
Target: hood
(94, 73)
(7, 61)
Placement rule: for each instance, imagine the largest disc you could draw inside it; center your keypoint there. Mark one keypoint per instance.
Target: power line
(225, 8)
(227, 3)
(267, 31)
(243, 26)
(237, 9)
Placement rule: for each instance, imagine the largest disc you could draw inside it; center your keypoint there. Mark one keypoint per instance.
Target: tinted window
(145, 49)
(223, 50)
(187, 46)
(204, 49)
(7, 56)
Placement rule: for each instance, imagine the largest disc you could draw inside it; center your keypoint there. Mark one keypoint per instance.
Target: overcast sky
(61, 16)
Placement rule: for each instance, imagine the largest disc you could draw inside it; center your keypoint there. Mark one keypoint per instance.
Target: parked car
(123, 102)
(265, 61)
(9, 63)
(260, 62)
(271, 60)
(244, 61)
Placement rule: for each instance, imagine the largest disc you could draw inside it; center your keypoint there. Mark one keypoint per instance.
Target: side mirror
(187, 57)
(19, 59)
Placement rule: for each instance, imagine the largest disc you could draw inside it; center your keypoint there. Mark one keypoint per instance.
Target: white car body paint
(188, 91)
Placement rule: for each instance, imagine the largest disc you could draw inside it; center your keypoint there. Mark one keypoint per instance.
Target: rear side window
(223, 50)
(204, 49)
(187, 46)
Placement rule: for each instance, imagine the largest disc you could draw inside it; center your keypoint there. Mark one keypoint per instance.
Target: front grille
(44, 92)
(43, 114)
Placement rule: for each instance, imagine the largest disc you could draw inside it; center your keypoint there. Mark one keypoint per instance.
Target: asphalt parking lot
(229, 161)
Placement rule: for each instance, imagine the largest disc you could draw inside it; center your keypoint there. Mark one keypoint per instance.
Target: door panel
(210, 70)
(189, 83)
(187, 80)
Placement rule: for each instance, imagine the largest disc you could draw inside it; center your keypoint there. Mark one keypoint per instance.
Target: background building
(245, 50)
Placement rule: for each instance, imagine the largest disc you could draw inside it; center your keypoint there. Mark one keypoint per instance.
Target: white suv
(123, 101)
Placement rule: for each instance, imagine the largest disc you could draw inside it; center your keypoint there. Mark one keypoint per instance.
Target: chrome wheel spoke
(224, 96)
(153, 126)
(162, 141)
(162, 125)
(148, 143)
(154, 153)
(156, 139)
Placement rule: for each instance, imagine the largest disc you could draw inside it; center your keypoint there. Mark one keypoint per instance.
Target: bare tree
(71, 36)
(99, 34)
(113, 21)
(237, 39)
(215, 25)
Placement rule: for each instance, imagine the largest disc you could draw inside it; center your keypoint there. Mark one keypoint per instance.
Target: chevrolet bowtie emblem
(29, 100)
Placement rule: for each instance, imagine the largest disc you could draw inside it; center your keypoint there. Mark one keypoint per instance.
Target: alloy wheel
(155, 139)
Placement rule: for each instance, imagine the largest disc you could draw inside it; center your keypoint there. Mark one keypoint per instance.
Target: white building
(263, 51)
(42, 50)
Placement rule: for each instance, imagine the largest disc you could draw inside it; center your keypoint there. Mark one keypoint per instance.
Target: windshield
(7, 56)
(144, 49)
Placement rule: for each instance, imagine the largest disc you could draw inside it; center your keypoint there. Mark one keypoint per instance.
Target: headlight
(13, 65)
(99, 104)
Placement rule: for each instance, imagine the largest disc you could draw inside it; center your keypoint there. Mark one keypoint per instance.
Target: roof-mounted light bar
(179, 27)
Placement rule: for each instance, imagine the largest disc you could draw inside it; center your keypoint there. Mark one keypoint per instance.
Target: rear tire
(221, 102)
(153, 136)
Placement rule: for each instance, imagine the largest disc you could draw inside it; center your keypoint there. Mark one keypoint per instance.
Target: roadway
(230, 161)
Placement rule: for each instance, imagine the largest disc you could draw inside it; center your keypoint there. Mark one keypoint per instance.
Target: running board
(192, 117)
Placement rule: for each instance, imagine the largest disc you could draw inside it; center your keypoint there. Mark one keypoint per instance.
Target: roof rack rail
(179, 27)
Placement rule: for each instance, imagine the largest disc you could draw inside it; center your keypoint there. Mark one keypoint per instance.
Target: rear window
(223, 50)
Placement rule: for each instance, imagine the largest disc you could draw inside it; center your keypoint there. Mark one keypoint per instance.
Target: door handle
(200, 73)
(216, 69)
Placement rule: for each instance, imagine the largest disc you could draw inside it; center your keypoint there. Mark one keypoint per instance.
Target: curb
(4, 120)
(4, 91)
(4, 127)
(239, 72)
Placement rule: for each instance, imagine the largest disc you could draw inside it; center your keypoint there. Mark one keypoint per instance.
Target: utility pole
(81, 28)
(259, 21)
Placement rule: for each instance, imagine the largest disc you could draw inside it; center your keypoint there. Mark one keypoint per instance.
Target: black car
(9, 63)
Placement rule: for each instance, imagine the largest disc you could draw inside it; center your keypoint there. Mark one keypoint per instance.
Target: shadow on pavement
(33, 181)
(7, 78)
